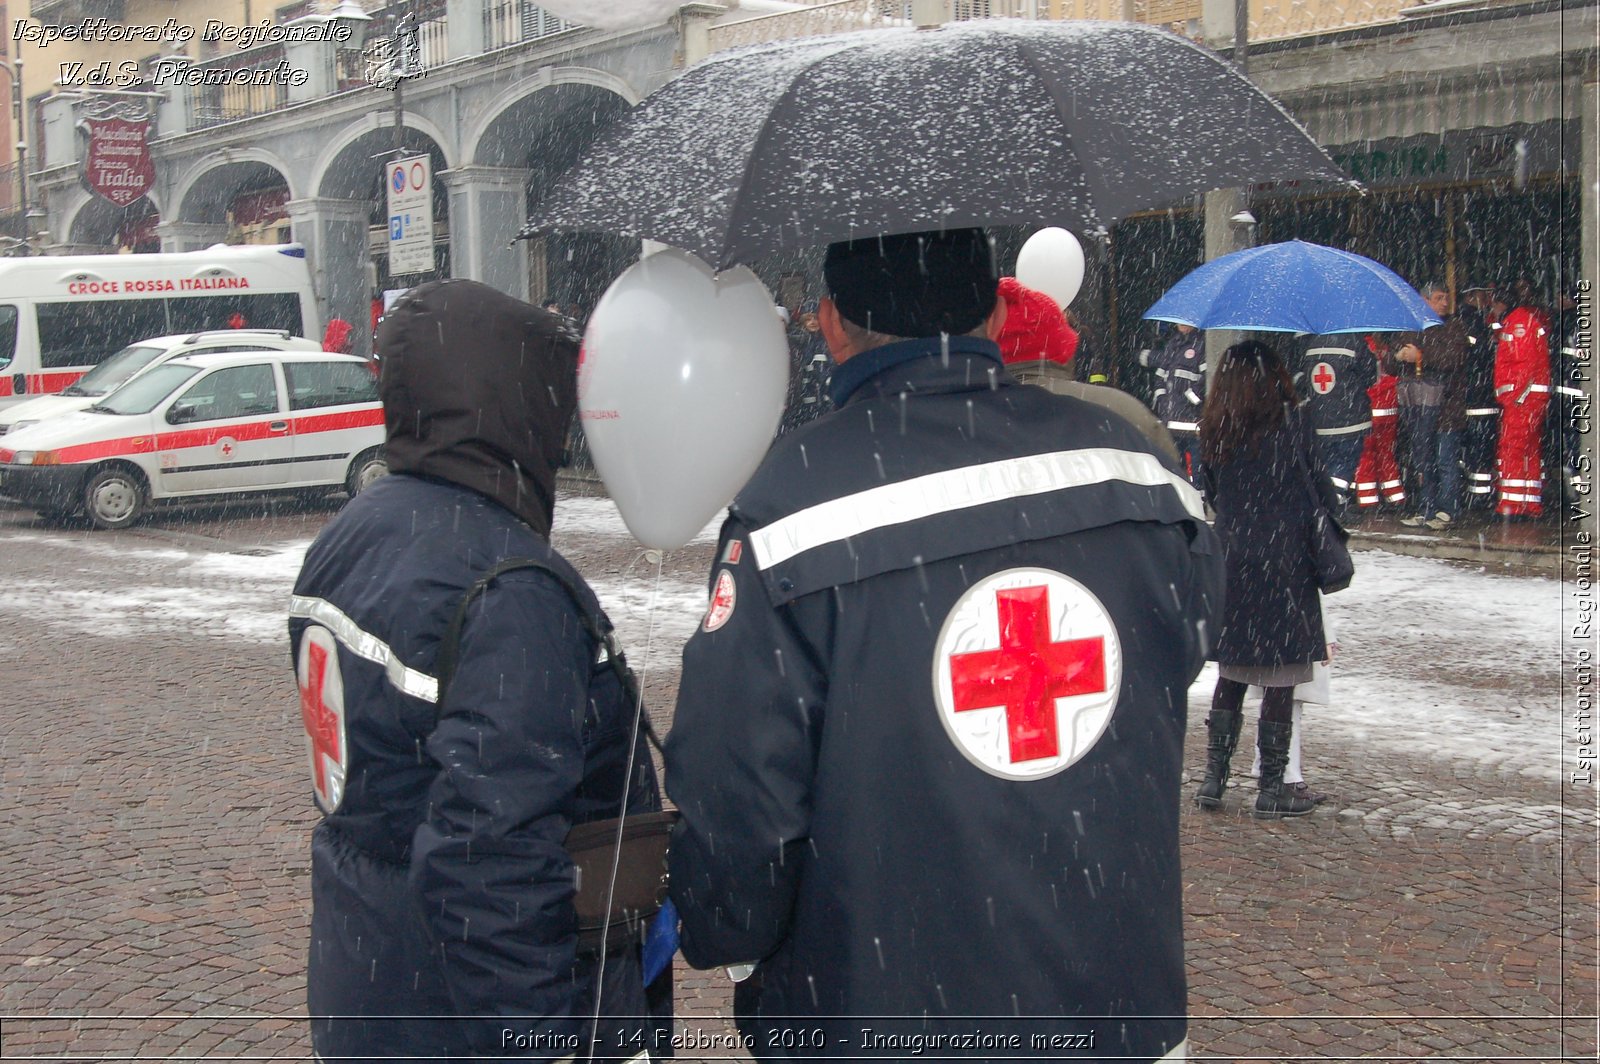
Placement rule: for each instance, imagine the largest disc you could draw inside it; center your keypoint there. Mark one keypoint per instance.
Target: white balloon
(680, 388)
(1052, 262)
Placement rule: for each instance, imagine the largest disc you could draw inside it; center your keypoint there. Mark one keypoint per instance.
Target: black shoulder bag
(620, 862)
(1330, 557)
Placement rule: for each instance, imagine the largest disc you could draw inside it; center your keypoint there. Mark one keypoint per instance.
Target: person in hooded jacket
(442, 923)
(928, 741)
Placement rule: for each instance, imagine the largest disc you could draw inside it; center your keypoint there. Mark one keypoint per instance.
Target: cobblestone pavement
(154, 828)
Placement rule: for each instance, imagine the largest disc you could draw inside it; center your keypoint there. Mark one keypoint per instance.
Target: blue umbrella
(1295, 287)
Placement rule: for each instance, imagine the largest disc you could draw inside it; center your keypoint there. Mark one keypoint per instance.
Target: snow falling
(1436, 660)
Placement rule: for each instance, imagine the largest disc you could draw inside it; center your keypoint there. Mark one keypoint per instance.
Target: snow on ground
(1445, 662)
(1436, 660)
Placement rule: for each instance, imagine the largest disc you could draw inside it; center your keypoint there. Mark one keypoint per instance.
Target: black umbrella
(996, 122)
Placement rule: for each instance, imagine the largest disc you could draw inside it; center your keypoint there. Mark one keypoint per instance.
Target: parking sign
(410, 186)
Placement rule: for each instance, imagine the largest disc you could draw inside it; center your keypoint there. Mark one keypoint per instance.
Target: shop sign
(117, 164)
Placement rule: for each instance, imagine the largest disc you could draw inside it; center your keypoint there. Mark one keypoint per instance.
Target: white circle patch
(1323, 378)
(1026, 673)
(322, 713)
(721, 607)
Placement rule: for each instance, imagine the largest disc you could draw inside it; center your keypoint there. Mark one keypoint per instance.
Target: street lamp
(14, 68)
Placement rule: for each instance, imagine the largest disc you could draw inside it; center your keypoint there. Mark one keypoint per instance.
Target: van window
(329, 384)
(84, 333)
(8, 334)
(198, 313)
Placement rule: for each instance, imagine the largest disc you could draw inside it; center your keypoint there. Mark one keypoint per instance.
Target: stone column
(317, 58)
(190, 236)
(1223, 237)
(1218, 23)
(58, 116)
(694, 24)
(465, 22)
(334, 232)
(175, 112)
(488, 204)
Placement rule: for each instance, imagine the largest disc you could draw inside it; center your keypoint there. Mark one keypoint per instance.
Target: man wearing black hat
(929, 735)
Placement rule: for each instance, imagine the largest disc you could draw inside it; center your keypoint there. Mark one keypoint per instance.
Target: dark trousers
(1419, 438)
(1339, 456)
(1478, 456)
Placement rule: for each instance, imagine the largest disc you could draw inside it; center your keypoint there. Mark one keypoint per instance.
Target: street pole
(14, 68)
(399, 87)
(1229, 226)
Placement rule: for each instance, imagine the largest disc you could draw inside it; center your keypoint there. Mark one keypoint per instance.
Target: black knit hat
(914, 284)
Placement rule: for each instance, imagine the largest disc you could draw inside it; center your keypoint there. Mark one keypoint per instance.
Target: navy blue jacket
(440, 885)
(1333, 375)
(1179, 363)
(877, 804)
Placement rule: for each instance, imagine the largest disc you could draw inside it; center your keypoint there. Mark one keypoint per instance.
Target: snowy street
(155, 818)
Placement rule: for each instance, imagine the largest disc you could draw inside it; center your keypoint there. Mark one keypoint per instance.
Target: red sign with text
(117, 164)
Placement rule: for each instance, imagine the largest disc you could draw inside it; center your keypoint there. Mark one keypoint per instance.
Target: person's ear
(997, 318)
(832, 324)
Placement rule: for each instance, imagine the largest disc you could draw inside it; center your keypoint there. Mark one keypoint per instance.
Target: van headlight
(37, 458)
(22, 458)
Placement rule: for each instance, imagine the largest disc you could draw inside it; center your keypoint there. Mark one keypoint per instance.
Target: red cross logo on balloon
(1028, 673)
(1322, 378)
(322, 713)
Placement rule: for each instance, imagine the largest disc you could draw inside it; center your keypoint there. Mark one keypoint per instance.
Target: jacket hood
(479, 389)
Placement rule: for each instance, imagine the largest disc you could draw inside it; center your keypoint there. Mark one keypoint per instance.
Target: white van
(62, 315)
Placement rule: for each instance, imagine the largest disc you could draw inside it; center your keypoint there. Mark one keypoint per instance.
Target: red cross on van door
(322, 713)
(1027, 673)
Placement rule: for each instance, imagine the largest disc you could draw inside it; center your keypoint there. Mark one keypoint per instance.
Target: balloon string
(627, 786)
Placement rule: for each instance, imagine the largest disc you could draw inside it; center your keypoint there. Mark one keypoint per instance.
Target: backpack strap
(595, 623)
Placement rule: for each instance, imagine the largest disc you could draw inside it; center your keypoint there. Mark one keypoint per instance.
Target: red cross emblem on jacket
(1030, 668)
(322, 713)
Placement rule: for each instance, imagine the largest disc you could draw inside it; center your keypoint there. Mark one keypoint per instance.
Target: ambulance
(204, 424)
(62, 315)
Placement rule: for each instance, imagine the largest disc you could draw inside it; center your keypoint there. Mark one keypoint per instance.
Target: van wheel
(114, 497)
(367, 468)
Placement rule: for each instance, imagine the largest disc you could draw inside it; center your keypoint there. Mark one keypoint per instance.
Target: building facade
(1473, 123)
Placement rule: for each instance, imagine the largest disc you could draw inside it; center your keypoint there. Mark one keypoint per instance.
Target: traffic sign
(409, 183)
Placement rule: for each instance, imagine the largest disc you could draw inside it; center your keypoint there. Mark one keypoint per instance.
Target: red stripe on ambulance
(73, 454)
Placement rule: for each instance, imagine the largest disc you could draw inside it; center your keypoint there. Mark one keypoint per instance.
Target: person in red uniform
(1378, 474)
(337, 336)
(1522, 388)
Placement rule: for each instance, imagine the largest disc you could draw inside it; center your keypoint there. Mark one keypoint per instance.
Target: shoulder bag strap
(597, 624)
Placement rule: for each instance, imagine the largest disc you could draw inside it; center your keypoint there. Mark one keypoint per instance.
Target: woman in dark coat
(1257, 453)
